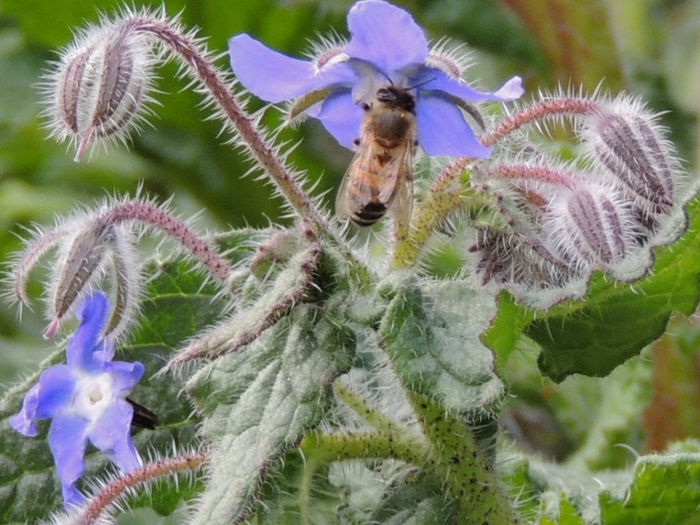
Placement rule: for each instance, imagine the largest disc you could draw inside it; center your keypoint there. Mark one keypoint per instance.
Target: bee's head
(393, 96)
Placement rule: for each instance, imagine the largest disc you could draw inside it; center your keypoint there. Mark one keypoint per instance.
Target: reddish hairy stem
(111, 492)
(242, 121)
(539, 111)
(227, 102)
(541, 173)
(166, 223)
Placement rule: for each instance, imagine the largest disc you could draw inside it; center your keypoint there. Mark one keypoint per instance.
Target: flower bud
(514, 259)
(626, 139)
(591, 226)
(100, 85)
(80, 262)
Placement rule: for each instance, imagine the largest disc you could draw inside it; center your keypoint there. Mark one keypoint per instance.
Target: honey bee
(380, 175)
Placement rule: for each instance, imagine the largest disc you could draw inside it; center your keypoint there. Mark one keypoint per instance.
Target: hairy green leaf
(665, 489)
(658, 489)
(615, 321)
(258, 403)
(432, 332)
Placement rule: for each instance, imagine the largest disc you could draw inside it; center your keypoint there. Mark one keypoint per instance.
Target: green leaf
(282, 503)
(665, 489)
(658, 489)
(258, 403)
(178, 305)
(431, 330)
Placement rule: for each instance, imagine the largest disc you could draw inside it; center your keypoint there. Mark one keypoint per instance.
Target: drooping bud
(100, 86)
(591, 226)
(102, 241)
(78, 265)
(626, 139)
(514, 259)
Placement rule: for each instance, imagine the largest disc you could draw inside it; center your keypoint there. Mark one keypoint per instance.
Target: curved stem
(266, 154)
(326, 448)
(222, 94)
(458, 462)
(109, 494)
(542, 110)
(165, 222)
(448, 194)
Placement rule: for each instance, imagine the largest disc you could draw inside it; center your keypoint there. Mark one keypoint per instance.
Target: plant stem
(222, 94)
(162, 220)
(264, 152)
(540, 111)
(110, 493)
(473, 486)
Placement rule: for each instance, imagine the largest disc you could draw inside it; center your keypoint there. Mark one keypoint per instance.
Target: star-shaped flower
(85, 399)
(387, 47)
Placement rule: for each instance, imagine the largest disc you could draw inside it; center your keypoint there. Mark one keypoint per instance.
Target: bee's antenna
(420, 84)
(387, 77)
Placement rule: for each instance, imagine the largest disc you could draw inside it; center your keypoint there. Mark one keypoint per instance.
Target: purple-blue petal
(385, 35)
(67, 440)
(511, 90)
(86, 341)
(125, 375)
(342, 118)
(442, 129)
(112, 435)
(57, 386)
(275, 77)
(24, 421)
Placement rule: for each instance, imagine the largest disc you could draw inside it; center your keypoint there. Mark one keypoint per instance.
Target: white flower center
(93, 394)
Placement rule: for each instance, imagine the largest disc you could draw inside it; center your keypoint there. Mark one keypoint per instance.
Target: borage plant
(313, 377)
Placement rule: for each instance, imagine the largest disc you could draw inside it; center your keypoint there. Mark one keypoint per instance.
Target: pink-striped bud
(627, 140)
(515, 259)
(100, 86)
(591, 226)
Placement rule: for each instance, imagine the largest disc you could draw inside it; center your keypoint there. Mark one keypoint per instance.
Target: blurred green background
(648, 47)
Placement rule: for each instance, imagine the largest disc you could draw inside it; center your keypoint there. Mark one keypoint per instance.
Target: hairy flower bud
(79, 263)
(590, 226)
(516, 259)
(100, 85)
(626, 139)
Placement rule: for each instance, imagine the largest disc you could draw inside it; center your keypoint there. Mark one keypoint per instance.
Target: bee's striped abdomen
(369, 213)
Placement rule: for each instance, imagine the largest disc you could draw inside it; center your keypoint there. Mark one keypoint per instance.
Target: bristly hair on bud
(625, 138)
(450, 57)
(94, 242)
(592, 225)
(98, 90)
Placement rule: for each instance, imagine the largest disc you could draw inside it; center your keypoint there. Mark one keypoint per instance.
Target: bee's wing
(358, 195)
(397, 190)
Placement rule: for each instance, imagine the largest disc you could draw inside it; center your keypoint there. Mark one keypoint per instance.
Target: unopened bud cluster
(101, 242)
(603, 211)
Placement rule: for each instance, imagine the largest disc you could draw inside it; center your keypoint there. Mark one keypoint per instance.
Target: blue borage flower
(386, 46)
(85, 399)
